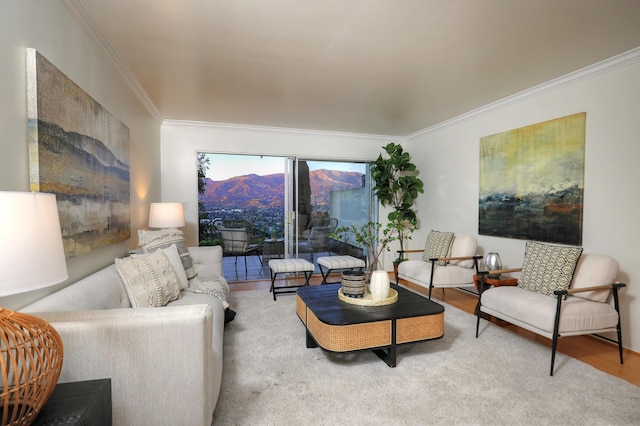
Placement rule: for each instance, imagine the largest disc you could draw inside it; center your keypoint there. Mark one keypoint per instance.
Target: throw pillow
(176, 264)
(437, 245)
(154, 240)
(547, 268)
(148, 279)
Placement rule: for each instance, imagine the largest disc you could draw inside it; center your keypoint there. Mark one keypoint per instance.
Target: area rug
(270, 377)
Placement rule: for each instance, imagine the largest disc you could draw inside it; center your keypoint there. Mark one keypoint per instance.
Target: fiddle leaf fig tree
(397, 186)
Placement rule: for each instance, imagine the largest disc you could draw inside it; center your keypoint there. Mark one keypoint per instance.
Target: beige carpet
(271, 378)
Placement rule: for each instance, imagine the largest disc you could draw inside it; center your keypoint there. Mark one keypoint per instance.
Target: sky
(225, 166)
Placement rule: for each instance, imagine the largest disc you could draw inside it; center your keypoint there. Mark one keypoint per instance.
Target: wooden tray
(367, 300)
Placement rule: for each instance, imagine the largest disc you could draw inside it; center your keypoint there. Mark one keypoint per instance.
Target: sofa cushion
(149, 279)
(595, 269)
(437, 245)
(547, 268)
(176, 263)
(154, 240)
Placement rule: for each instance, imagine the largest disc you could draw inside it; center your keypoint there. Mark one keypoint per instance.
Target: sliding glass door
(289, 207)
(329, 194)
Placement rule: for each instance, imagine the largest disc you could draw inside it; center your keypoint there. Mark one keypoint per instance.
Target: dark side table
(78, 403)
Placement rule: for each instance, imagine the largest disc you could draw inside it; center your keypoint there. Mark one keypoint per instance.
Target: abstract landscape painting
(80, 152)
(532, 182)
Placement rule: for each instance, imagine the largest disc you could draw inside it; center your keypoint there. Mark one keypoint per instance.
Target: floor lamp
(31, 257)
(166, 215)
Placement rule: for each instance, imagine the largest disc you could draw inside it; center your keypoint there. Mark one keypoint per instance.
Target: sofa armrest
(160, 360)
(209, 255)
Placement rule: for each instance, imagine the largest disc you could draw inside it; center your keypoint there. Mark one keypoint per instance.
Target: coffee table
(338, 326)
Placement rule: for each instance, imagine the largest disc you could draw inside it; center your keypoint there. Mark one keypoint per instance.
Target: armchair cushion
(463, 246)
(577, 314)
(592, 270)
(547, 268)
(437, 245)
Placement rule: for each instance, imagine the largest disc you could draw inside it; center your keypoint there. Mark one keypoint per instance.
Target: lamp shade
(31, 257)
(166, 215)
(31, 250)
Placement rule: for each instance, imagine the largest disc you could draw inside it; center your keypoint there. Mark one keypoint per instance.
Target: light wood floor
(598, 353)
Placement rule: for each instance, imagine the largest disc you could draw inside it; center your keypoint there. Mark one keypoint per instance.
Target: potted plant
(366, 236)
(397, 186)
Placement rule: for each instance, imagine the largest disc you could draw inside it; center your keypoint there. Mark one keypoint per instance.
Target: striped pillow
(154, 240)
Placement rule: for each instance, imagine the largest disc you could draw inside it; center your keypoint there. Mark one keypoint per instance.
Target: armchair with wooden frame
(455, 269)
(554, 300)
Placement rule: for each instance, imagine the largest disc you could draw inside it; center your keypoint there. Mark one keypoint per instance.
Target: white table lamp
(31, 257)
(166, 215)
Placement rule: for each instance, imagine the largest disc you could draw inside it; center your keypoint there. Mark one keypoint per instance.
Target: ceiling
(386, 67)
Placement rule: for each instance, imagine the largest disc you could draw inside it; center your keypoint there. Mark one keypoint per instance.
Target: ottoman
(282, 266)
(335, 263)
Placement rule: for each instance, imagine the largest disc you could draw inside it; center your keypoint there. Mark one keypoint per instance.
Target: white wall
(181, 141)
(448, 159)
(49, 27)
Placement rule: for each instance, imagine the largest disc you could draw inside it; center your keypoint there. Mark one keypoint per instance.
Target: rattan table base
(341, 327)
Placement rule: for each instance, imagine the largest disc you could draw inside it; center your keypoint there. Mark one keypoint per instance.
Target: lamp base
(31, 361)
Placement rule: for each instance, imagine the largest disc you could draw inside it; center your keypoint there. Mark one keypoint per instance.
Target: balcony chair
(448, 261)
(318, 239)
(237, 238)
(561, 292)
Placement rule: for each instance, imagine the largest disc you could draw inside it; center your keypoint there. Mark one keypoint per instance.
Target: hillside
(268, 191)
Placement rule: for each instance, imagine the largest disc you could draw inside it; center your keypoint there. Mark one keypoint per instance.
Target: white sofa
(165, 364)
(460, 265)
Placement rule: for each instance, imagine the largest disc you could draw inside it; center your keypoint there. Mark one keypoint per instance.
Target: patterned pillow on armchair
(547, 268)
(437, 245)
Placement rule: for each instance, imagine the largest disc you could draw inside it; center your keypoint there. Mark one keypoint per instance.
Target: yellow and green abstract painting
(532, 182)
(80, 152)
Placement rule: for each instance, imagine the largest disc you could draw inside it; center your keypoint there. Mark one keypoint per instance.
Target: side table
(272, 249)
(496, 282)
(488, 281)
(86, 403)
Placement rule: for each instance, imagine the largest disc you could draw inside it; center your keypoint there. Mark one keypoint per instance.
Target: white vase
(379, 285)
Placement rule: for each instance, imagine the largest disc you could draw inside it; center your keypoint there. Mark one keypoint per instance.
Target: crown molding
(585, 73)
(86, 19)
(213, 125)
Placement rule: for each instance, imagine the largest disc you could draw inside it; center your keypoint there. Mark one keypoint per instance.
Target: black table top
(324, 303)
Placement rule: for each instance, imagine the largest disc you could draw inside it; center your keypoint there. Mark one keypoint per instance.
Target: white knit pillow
(149, 279)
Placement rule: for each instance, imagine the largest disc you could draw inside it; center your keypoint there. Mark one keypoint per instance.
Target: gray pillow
(154, 240)
(547, 268)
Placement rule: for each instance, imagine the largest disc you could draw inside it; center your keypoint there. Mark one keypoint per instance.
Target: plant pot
(354, 283)
(379, 285)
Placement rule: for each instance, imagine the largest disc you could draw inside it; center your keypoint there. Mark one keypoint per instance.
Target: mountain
(268, 191)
